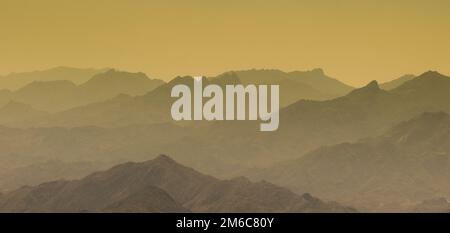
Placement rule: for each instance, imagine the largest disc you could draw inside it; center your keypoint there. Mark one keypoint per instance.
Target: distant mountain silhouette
(154, 107)
(320, 81)
(307, 125)
(158, 186)
(407, 164)
(61, 95)
(360, 148)
(367, 111)
(15, 81)
(304, 126)
(396, 82)
(105, 85)
(294, 86)
(122, 110)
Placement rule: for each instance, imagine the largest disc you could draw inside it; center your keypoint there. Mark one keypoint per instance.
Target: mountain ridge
(126, 188)
(15, 81)
(60, 95)
(391, 172)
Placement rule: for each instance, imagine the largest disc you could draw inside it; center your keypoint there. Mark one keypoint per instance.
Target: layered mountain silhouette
(160, 185)
(307, 125)
(219, 146)
(367, 111)
(294, 86)
(58, 95)
(15, 81)
(406, 165)
(122, 110)
(379, 147)
(396, 82)
(154, 106)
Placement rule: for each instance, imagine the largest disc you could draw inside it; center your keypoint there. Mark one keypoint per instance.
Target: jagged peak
(431, 73)
(372, 87)
(316, 72)
(161, 160)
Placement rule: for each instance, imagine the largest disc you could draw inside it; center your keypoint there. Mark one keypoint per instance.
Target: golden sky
(353, 40)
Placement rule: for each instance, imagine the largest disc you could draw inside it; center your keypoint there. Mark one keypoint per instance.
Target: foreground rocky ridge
(160, 185)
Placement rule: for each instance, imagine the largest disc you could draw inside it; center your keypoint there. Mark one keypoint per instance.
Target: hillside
(59, 95)
(294, 86)
(406, 165)
(157, 186)
(396, 82)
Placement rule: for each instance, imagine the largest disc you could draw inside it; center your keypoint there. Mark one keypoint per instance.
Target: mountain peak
(372, 87)
(429, 81)
(164, 161)
(116, 74)
(164, 158)
(431, 73)
(318, 71)
(390, 85)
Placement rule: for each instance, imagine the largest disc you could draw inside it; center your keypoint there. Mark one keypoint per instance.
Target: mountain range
(15, 81)
(406, 165)
(160, 185)
(219, 146)
(396, 82)
(294, 86)
(154, 106)
(378, 148)
(59, 95)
